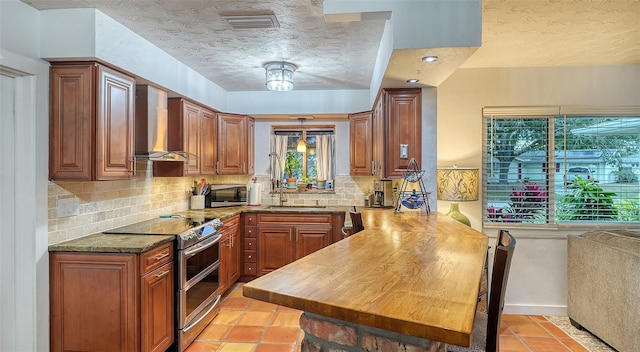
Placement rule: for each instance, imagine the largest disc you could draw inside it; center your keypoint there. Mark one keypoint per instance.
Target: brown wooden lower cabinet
(249, 246)
(280, 246)
(112, 301)
(283, 238)
(276, 248)
(230, 252)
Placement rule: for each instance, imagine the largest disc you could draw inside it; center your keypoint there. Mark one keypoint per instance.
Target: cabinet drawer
(250, 244)
(250, 269)
(231, 221)
(293, 218)
(156, 257)
(250, 231)
(250, 219)
(249, 256)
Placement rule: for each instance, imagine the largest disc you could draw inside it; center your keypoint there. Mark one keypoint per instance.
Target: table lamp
(458, 184)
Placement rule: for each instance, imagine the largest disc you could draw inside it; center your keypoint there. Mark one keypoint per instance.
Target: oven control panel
(199, 233)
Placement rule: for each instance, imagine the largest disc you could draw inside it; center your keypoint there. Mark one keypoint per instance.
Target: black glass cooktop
(160, 226)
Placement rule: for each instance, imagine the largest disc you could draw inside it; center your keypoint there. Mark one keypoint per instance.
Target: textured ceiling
(527, 33)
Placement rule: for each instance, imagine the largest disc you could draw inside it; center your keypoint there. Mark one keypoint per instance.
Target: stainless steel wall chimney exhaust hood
(151, 126)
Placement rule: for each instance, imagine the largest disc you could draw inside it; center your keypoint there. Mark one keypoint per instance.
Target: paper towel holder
(255, 192)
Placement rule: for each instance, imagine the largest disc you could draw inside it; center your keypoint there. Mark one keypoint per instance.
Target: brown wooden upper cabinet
(251, 148)
(360, 144)
(191, 128)
(91, 123)
(235, 144)
(384, 140)
(217, 143)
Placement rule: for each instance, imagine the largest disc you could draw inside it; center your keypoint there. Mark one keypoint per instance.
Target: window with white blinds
(551, 165)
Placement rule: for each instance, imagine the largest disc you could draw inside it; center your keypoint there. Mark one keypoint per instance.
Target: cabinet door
(225, 249)
(157, 307)
(191, 120)
(404, 114)
(114, 125)
(360, 152)
(275, 248)
(230, 248)
(231, 144)
(379, 137)
(309, 240)
(209, 149)
(234, 257)
(93, 304)
(251, 151)
(71, 122)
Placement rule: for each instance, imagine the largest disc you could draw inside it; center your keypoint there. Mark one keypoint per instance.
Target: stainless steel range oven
(197, 267)
(198, 280)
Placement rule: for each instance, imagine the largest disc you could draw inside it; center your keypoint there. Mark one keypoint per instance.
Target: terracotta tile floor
(247, 325)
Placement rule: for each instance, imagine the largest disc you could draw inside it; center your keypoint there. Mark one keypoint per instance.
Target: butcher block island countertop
(410, 273)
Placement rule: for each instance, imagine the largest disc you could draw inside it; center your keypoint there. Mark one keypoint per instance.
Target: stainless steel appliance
(197, 267)
(383, 193)
(151, 126)
(226, 196)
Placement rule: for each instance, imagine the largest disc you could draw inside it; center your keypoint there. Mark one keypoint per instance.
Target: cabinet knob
(250, 269)
(250, 243)
(250, 256)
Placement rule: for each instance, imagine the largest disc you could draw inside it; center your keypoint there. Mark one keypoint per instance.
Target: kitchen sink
(297, 207)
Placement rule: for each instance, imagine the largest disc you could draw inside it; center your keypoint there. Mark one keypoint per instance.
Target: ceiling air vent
(252, 21)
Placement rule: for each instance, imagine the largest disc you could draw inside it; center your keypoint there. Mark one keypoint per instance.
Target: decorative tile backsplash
(348, 191)
(103, 205)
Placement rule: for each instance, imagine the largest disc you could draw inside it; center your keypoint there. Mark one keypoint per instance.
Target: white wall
(24, 272)
(537, 283)
(299, 102)
(429, 142)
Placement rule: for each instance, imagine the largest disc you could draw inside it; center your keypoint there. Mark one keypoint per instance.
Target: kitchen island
(408, 279)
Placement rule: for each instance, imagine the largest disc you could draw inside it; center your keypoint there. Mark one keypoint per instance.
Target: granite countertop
(122, 243)
(111, 243)
(226, 212)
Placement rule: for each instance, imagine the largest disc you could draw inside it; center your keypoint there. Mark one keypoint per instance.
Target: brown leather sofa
(604, 286)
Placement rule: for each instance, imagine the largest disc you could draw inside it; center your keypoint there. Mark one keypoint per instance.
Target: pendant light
(302, 144)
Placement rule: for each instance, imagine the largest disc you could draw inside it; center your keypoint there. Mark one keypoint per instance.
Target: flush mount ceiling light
(279, 75)
(430, 58)
(413, 80)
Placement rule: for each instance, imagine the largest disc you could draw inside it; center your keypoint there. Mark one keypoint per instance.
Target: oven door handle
(215, 303)
(198, 247)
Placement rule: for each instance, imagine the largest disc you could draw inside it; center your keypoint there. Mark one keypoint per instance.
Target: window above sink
(307, 169)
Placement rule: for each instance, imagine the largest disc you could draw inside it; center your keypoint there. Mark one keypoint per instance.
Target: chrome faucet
(282, 196)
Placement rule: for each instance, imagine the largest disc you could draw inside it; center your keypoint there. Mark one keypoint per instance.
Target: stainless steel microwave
(226, 196)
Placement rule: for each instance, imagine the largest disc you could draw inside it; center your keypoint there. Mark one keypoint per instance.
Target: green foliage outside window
(587, 201)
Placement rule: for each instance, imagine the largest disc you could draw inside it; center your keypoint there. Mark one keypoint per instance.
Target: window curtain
(279, 147)
(325, 156)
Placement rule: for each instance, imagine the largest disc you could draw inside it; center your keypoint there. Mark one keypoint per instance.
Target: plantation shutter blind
(553, 165)
(516, 168)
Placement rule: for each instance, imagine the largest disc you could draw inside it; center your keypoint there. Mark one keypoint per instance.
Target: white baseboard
(524, 309)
